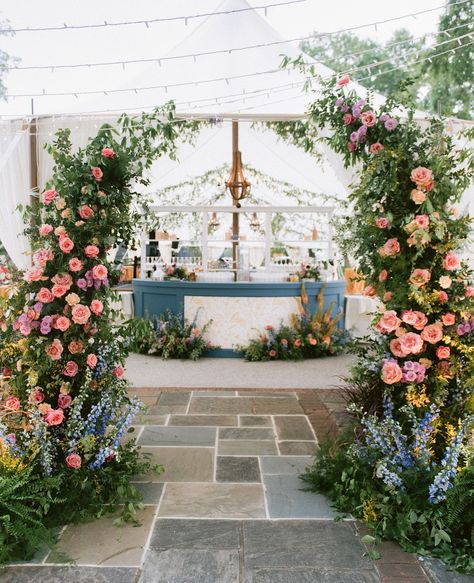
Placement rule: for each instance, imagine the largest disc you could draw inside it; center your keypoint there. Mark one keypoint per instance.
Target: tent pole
(235, 216)
(34, 186)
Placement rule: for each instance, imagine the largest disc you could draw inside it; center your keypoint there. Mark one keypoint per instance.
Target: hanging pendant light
(238, 185)
(255, 224)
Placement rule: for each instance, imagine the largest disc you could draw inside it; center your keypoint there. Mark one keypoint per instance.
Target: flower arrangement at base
(411, 389)
(64, 402)
(173, 271)
(308, 271)
(307, 335)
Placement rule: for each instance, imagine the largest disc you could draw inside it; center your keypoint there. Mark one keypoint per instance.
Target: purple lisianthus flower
(409, 365)
(361, 103)
(344, 108)
(339, 101)
(82, 284)
(356, 111)
(38, 307)
(390, 124)
(46, 323)
(409, 376)
(354, 137)
(383, 118)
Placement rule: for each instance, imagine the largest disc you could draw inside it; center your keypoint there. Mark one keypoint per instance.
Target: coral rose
(383, 275)
(85, 212)
(59, 290)
(448, 319)
(421, 176)
(48, 196)
(66, 245)
(64, 401)
(442, 297)
(118, 371)
(97, 173)
(368, 118)
(376, 148)
(420, 277)
(411, 343)
(451, 262)
(382, 223)
(391, 248)
(13, 403)
(45, 230)
(75, 264)
(34, 274)
(391, 373)
(369, 291)
(422, 221)
(108, 153)
(62, 323)
(396, 348)
(417, 196)
(347, 119)
(91, 251)
(468, 291)
(343, 80)
(54, 417)
(432, 333)
(389, 322)
(99, 272)
(80, 314)
(73, 461)
(36, 396)
(44, 296)
(443, 352)
(71, 369)
(96, 307)
(62, 279)
(54, 350)
(91, 360)
(75, 346)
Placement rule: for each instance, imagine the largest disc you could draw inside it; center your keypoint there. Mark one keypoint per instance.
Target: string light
(149, 21)
(229, 78)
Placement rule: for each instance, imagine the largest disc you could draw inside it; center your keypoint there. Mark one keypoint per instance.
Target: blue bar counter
(152, 298)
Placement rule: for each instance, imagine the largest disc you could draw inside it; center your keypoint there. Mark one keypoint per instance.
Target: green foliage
(140, 335)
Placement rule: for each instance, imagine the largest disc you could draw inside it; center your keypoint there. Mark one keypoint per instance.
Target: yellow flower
(417, 398)
(369, 513)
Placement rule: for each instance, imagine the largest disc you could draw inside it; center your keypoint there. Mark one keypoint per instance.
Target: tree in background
(443, 84)
(5, 59)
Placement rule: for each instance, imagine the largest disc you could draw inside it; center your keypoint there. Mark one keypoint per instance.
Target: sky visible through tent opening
(115, 43)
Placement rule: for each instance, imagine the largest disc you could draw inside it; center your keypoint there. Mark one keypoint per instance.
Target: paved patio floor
(229, 507)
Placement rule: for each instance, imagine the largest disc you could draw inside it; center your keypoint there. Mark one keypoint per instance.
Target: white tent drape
(14, 190)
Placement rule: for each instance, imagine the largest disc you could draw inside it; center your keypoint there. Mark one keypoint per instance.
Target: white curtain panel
(14, 190)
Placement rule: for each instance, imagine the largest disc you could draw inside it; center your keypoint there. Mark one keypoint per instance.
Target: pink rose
(382, 223)
(34, 274)
(62, 323)
(73, 461)
(108, 153)
(99, 272)
(383, 275)
(396, 348)
(97, 307)
(421, 176)
(433, 333)
(80, 314)
(347, 119)
(442, 297)
(451, 262)
(388, 322)
(387, 296)
(118, 372)
(420, 277)
(343, 80)
(422, 221)
(369, 291)
(448, 319)
(48, 196)
(75, 346)
(445, 281)
(36, 396)
(91, 251)
(85, 212)
(75, 264)
(66, 245)
(59, 290)
(42, 256)
(97, 173)
(71, 369)
(468, 291)
(54, 350)
(376, 148)
(54, 417)
(351, 146)
(45, 230)
(44, 296)
(443, 352)
(417, 196)
(391, 248)
(368, 118)
(91, 360)
(72, 299)
(391, 373)
(62, 279)
(13, 403)
(411, 343)
(64, 401)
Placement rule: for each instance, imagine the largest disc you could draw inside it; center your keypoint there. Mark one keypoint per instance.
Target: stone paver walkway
(229, 507)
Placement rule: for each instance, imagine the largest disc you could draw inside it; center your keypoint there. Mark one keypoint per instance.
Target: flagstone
(297, 447)
(181, 398)
(282, 465)
(194, 436)
(181, 464)
(196, 534)
(237, 469)
(101, 542)
(294, 427)
(204, 420)
(255, 421)
(147, 419)
(151, 491)
(305, 575)
(246, 433)
(246, 405)
(246, 447)
(69, 574)
(286, 499)
(213, 501)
